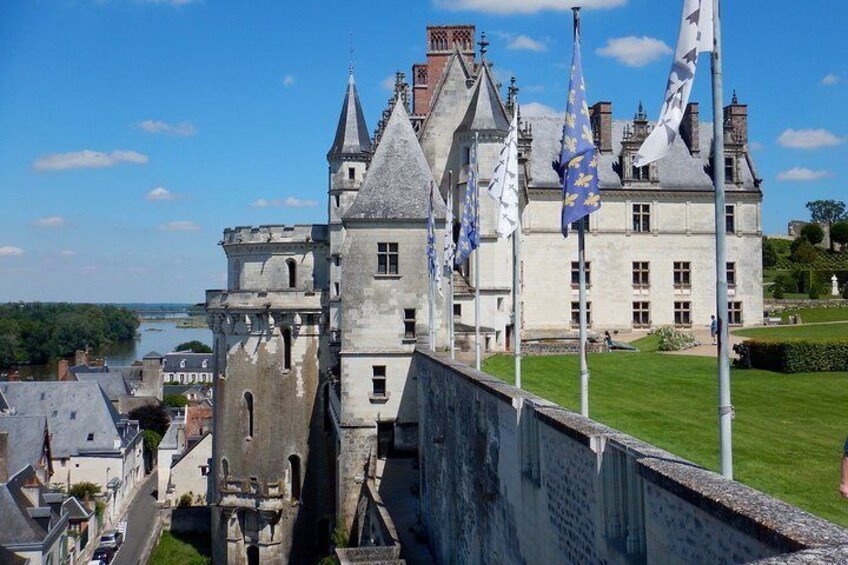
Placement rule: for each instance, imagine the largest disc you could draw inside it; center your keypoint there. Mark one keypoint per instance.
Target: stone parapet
(274, 233)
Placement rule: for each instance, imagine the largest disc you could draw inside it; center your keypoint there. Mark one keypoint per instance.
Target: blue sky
(133, 132)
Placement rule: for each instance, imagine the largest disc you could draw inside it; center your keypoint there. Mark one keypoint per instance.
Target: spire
(485, 112)
(352, 139)
(397, 186)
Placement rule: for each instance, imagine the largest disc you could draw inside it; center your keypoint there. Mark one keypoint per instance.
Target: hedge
(798, 355)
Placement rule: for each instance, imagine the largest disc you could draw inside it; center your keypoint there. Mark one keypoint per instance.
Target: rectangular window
(409, 323)
(730, 218)
(641, 314)
(575, 273)
(683, 314)
(642, 218)
(641, 274)
(575, 226)
(337, 259)
(336, 288)
(734, 313)
(378, 380)
(457, 309)
(682, 273)
(336, 200)
(387, 258)
(731, 274)
(641, 173)
(351, 173)
(575, 314)
(729, 170)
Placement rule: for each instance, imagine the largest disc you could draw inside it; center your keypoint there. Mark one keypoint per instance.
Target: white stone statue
(834, 286)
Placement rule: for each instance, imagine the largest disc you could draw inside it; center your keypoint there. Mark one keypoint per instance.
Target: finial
(484, 45)
(640, 112)
(350, 47)
(734, 100)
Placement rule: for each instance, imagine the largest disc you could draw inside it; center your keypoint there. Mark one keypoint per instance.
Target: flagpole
(725, 409)
(431, 227)
(449, 220)
(477, 364)
(516, 284)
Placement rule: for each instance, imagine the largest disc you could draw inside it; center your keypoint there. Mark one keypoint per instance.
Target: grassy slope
(181, 549)
(823, 331)
(788, 431)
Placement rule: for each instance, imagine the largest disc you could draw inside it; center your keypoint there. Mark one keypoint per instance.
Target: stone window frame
(351, 173)
(249, 406)
(641, 314)
(734, 313)
(410, 316)
(730, 218)
(641, 274)
(682, 274)
(682, 313)
(729, 169)
(378, 382)
(731, 274)
(575, 313)
(641, 217)
(388, 258)
(575, 274)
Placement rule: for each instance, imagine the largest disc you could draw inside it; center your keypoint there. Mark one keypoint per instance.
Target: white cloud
(830, 79)
(524, 6)
(388, 83)
(181, 225)
(288, 80)
(289, 202)
(182, 129)
(49, 222)
(67, 253)
(9, 251)
(807, 138)
(537, 109)
(802, 174)
(634, 51)
(87, 159)
(526, 43)
(160, 194)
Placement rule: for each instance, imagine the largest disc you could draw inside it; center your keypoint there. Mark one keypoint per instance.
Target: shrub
(786, 282)
(185, 500)
(84, 490)
(804, 252)
(175, 400)
(845, 291)
(839, 233)
(673, 340)
(798, 355)
(815, 292)
(777, 291)
(813, 233)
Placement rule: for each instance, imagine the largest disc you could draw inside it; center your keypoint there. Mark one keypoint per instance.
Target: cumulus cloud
(807, 138)
(802, 174)
(160, 194)
(49, 222)
(830, 79)
(537, 110)
(182, 129)
(87, 159)
(525, 43)
(523, 6)
(180, 225)
(634, 51)
(288, 80)
(10, 251)
(290, 202)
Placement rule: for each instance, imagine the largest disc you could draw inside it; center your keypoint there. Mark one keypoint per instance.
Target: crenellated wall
(510, 478)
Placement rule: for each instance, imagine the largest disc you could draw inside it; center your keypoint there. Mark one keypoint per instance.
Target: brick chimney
(441, 42)
(62, 370)
(736, 120)
(600, 116)
(690, 129)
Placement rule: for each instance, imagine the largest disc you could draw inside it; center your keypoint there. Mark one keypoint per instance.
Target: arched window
(294, 467)
(287, 343)
(292, 268)
(248, 402)
(225, 468)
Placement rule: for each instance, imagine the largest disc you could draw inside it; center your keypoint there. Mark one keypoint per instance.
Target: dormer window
(641, 173)
(729, 169)
(205, 363)
(351, 173)
(182, 363)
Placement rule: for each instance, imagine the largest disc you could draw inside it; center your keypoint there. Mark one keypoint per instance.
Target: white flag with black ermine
(504, 184)
(696, 36)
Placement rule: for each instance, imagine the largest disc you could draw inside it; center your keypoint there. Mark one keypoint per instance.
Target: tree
(84, 490)
(804, 252)
(151, 441)
(151, 417)
(839, 233)
(769, 253)
(827, 212)
(175, 400)
(813, 233)
(194, 346)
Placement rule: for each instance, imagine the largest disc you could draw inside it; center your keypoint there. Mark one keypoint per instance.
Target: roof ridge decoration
(397, 184)
(485, 110)
(352, 138)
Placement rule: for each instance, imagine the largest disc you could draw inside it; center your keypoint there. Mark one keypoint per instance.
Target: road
(140, 519)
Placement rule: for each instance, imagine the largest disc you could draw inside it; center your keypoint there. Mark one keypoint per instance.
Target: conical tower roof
(485, 111)
(352, 138)
(397, 184)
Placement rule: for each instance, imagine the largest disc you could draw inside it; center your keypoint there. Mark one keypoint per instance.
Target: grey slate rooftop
(113, 384)
(485, 113)
(678, 171)
(21, 520)
(193, 362)
(25, 442)
(397, 184)
(352, 132)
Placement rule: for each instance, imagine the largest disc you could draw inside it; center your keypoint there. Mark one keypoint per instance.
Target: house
(189, 473)
(171, 447)
(25, 440)
(187, 368)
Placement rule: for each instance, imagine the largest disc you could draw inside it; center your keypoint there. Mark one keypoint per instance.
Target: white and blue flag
(469, 235)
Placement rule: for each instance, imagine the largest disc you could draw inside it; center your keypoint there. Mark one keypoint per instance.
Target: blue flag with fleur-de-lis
(469, 235)
(578, 162)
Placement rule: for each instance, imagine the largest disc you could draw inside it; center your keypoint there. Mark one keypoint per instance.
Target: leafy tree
(151, 417)
(827, 212)
(151, 440)
(84, 489)
(839, 233)
(804, 252)
(194, 346)
(786, 282)
(777, 291)
(185, 500)
(769, 253)
(813, 233)
(175, 400)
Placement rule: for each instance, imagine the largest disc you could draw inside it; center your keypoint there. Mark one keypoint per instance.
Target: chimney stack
(62, 370)
(600, 116)
(690, 129)
(736, 120)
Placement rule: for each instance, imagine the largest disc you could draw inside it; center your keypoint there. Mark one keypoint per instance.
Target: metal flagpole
(449, 220)
(725, 409)
(516, 284)
(431, 233)
(477, 364)
(581, 264)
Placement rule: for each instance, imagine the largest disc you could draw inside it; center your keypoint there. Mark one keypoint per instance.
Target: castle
(315, 334)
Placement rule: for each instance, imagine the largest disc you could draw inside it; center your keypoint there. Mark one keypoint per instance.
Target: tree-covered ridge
(34, 333)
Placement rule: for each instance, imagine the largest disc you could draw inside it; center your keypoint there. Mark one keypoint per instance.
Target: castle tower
(271, 494)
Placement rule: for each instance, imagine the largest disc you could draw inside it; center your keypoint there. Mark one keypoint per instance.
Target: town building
(186, 368)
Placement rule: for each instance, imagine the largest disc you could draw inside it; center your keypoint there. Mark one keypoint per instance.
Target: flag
(469, 236)
(450, 247)
(578, 164)
(504, 184)
(696, 36)
(432, 259)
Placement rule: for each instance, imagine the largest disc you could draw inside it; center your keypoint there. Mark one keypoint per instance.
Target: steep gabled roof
(26, 443)
(397, 184)
(352, 137)
(23, 521)
(485, 111)
(113, 384)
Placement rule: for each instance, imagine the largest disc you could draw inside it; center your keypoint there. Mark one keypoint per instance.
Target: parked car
(111, 538)
(104, 554)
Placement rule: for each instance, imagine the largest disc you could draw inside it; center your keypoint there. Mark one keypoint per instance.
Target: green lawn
(810, 315)
(822, 331)
(182, 549)
(788, 431)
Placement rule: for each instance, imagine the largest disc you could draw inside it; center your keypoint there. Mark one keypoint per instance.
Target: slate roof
(171, 439)
(485, 111)
(21, 521)
(25, 444)
(77, 369)
(397, 184)
(193, 363)
(153, 355)
(352, 132)
(678, 171)
(113, 384)
(73, 411)
(75, 509)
